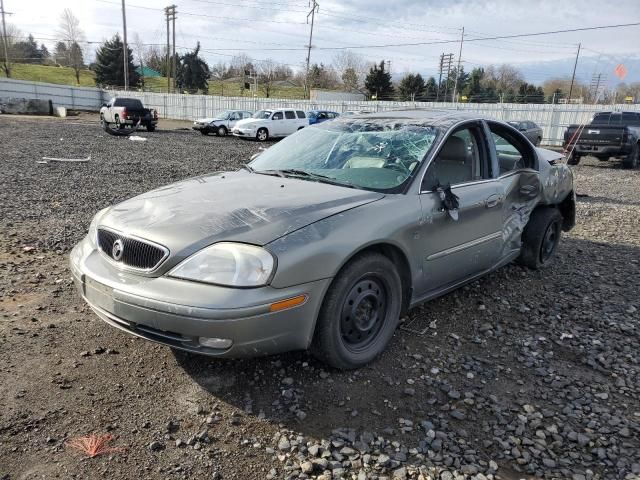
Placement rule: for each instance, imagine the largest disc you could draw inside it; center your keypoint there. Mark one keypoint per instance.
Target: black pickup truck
(610, 134)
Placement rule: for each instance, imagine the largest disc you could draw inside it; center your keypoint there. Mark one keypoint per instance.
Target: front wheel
(633, 159)
(541, 237)
(360, 312)
(262, 135)
(222, 131)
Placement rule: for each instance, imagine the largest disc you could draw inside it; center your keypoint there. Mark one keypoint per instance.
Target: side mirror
(104, 104)
(522, 129)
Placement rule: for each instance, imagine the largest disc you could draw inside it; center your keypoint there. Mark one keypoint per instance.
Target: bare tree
(239, 63)
(141, 52)
(13, 36)
(267, 75)
(504, 78)
(73, 36)
(351, 67)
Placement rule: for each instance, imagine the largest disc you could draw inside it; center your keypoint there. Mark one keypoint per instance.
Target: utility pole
(445, 64)
(170, 13)
(596, 81)
(314, 8)
(7, 68)
(125, 51)
(455, 85)
(173, 54)
(573, 77)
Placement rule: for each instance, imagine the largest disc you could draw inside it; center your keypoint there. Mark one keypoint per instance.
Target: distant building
(334, 95)
(147, 72)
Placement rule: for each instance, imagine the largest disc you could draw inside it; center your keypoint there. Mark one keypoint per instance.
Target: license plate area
(99, 294)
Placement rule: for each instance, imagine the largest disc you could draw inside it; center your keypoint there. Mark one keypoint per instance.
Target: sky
(278, 30)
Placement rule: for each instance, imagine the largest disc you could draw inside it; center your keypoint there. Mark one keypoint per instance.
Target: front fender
(321, 249)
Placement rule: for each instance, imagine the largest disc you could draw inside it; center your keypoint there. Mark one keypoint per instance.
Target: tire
(541, 237)
(574, 159)
(633, 159)
(262, 135)
(222, 131)
(204, 132)
(151, 128)
(538, 141)
(359, 314)
(102, 122)
(119, 125)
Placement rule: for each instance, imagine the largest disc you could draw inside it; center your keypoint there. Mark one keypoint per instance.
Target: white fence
(552, 118)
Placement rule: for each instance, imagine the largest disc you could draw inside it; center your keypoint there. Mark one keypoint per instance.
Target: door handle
(492, 200)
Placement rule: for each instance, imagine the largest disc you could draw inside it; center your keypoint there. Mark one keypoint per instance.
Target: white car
(221, 123)
(267, 124)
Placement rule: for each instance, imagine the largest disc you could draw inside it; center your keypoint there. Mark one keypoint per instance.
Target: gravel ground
(520, 375)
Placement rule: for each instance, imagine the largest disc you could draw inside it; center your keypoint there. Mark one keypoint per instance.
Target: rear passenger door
(291, 122)
(454, 250)
(303, 120)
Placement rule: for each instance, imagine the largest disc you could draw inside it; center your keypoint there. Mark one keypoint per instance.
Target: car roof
(440, 118)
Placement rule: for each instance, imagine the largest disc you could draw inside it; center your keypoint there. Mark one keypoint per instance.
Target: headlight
(229, 264)
(93, 226)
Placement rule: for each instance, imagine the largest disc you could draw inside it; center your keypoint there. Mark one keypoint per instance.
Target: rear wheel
(222, 131)
(262, 135)
(204, 132)
(538, 141)
(151, 128)
(119, 125)
(574, 159)
(541, 237)
(360, 312)
(633, 159)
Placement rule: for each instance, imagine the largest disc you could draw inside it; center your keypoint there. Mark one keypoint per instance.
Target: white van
(266, 124)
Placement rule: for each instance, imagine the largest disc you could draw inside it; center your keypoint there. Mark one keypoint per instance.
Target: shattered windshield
(262, 114)
(376, 155)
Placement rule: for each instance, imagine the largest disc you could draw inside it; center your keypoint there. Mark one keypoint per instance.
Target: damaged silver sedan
(326, 239)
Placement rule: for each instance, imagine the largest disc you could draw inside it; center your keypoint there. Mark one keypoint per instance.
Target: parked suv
(221, 123)
(267, 124)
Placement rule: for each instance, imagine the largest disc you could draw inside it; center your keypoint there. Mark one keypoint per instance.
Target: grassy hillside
(66, 76)
(51, 74)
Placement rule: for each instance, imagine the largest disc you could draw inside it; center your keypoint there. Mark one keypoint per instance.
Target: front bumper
(201, 126)
(244, 132)
(177, 313)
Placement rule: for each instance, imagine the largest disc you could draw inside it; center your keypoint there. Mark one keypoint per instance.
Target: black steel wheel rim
(549, 242)
(363, 313)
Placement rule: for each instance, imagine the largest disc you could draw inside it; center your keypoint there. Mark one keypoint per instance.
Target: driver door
(454, 250)
(277, 124)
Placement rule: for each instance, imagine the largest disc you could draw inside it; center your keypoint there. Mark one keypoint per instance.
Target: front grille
(135, 253)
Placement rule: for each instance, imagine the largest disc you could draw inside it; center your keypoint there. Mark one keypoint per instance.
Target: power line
(498, 37)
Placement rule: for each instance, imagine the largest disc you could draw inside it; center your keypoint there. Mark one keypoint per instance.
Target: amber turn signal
(288, 303)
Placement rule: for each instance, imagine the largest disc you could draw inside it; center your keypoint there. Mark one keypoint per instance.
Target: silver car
(326, 239)
(221, 123)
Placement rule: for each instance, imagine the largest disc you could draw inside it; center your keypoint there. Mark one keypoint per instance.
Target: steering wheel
(399, 167)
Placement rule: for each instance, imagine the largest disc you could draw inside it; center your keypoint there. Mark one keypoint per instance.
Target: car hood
(232, 206)
(208, 120)
(249, 121)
